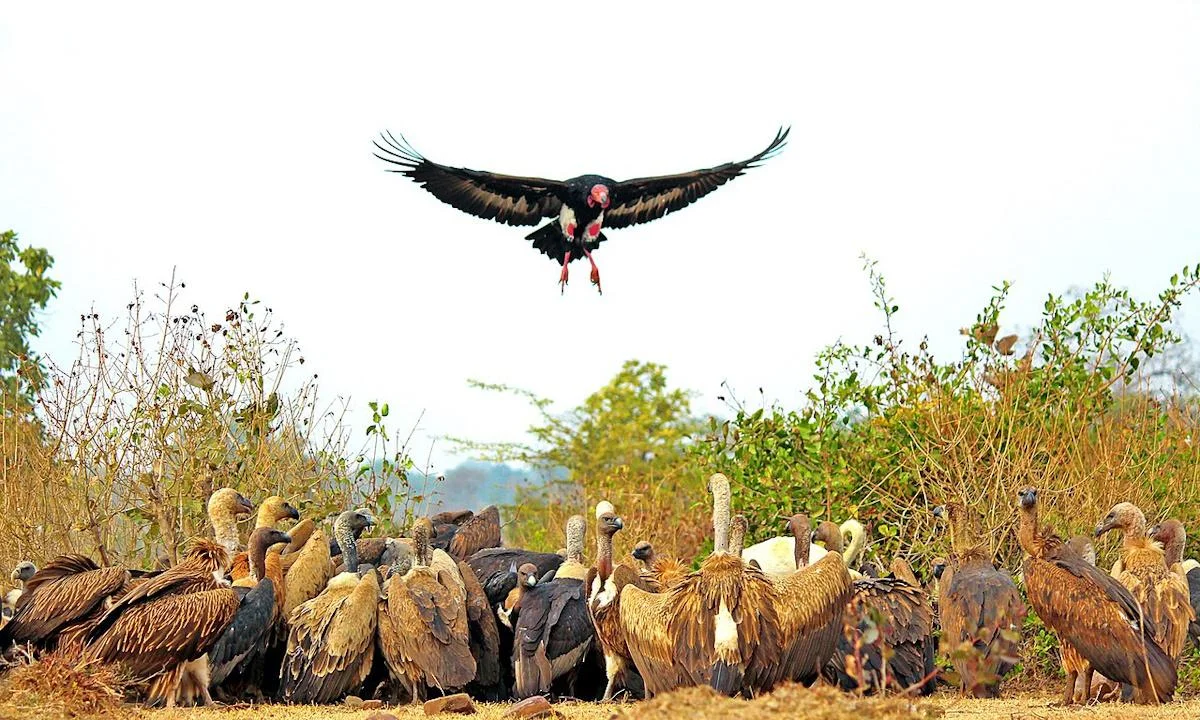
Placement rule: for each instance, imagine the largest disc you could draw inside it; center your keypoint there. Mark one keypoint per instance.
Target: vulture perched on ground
(19, 576)
(1174, 539)
(1162, 594)
(485, 638)
(1091, 611)
(270, 512)
(578, 208)
(604, 583)
(70, 589)
(657, 571)
(906, 631)
(161, 629)
(424, 634)
(1074, 664)
(240, 651)
(552, 633)
(314, 566)
(979, 607)
(331, 638)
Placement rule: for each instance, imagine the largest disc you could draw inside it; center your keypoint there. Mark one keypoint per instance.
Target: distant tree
(25, 290)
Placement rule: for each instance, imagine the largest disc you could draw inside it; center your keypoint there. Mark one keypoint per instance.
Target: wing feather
(644, 199)
(508, 199)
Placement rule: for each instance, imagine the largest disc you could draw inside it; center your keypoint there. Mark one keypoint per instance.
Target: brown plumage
(166, 624)
(67, 591)
(451, 517)
(480, 532)
(424, 633)
(712, 626)
(905, 633)
(370, 551)
(331, 639)
(1091, 611)
(1074, 664)
(485, 636)
(604, 584)
(309, 572)
(1173, 537)
(980, 609)
(658, 572)
(1162, 594)
(810, 604)
(270, 512)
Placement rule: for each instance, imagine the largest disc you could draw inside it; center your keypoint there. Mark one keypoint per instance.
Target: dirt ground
(699, 705)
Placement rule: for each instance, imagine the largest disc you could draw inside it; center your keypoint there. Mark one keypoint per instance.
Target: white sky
(959, 146)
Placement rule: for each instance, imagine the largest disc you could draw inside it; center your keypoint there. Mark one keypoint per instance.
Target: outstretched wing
(508, 199)
(645, 199)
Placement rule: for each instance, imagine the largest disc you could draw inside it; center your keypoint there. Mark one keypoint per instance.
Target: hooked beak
(619, 523)
(1028, 498)
(1105, 527)
(938, 569)
(293, 513)
(531, 581)
(245, 507)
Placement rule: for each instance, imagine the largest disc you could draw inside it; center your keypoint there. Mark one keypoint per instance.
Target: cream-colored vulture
(424, 633)
(1162, 594)
(19, 576)
(270, 512)
(713, 627)
(331, 638)
(1092, 611)
(604, 583)
(162, 628)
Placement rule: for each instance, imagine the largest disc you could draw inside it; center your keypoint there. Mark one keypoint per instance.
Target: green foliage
(25, 290)
(627, 443)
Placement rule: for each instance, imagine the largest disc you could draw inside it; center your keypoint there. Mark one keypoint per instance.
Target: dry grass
(697, 704)
(56, 687)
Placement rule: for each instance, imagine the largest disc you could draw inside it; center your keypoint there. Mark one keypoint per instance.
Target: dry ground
(698, 705)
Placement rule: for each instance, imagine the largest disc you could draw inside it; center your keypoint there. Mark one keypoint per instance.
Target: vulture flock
(313, 614)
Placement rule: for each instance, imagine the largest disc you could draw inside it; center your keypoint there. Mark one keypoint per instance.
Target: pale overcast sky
(1044, 143)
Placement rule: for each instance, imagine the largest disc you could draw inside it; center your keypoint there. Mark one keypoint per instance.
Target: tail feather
(1160, 685)
(549, 240)
(726, 678)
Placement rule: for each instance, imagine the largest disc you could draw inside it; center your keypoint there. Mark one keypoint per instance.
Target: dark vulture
(331, 638)
(906, 631)
(495, 568)
(70, 589)
(578, 208)
(552, 636)
(1162, 594)
(980, 608)
(161, 629)
(240, 650)
(485, 638)
(424, 631)
(1174, 538)
(604, 584)
(1091, 611)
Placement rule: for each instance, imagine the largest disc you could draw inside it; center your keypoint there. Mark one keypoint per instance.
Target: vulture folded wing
(810, 604)
(504, 198)
(154, 636)
(485, 636)
(61, 598)
(480, 532)
(300, 533)
(645, 199)
(644, 619)
(1100, 619)
(432, 631)
(309, 573)
(331, 641)
(182, 579)
(248, 633)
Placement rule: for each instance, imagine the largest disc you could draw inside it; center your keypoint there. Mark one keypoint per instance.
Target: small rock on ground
(460, 703)
(536, 706)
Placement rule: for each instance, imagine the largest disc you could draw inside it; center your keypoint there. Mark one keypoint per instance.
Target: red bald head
(598, 196)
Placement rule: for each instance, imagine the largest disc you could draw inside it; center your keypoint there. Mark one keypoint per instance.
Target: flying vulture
(579, 208)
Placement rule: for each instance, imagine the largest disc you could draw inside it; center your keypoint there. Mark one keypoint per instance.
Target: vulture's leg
(1070, 696)
(1087, 683)
(595, 270)
(608, 689)
(206, 697)
(562, 278)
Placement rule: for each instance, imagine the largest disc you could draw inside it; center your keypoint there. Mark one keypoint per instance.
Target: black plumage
(496, 569)
(245, 640)
(580, 206)
(553, 637)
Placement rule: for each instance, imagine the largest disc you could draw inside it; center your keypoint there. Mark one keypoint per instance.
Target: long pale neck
(266, 516)
(737, 536)
(1135, 533)
(225, 531)
(801, 553)
(576, 529)
(721, 502)
(1173, 550)
(858, 539)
